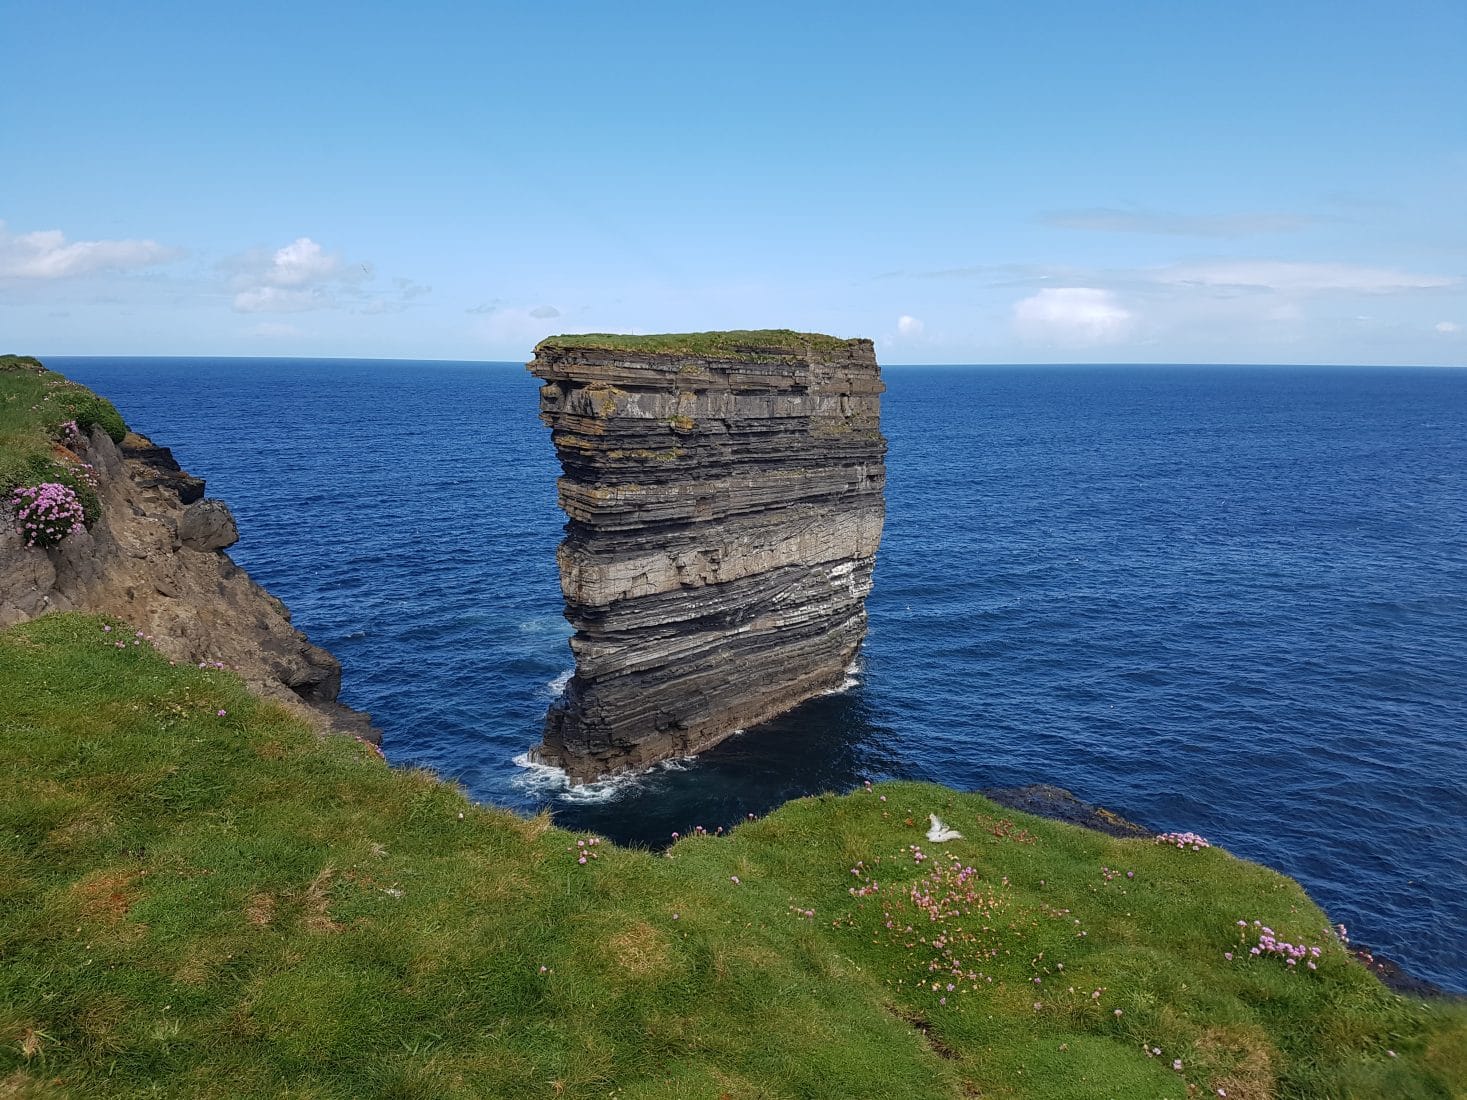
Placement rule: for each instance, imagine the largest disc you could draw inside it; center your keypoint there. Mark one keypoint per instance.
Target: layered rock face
(725, 495)
(155, 559)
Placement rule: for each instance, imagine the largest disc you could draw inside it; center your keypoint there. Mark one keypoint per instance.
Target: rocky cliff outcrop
(155, 559)
(725, 495)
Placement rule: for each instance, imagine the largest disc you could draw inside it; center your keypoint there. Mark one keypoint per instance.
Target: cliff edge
(725, 495)
(152, 555)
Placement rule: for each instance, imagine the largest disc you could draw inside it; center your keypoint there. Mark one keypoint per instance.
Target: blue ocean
(1225, 599)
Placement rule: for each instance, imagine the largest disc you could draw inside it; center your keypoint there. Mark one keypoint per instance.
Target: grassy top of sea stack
(199, 897)
(729, 344)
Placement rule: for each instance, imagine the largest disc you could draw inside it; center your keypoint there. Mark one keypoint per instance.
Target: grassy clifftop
(199, 898)
(711, 344)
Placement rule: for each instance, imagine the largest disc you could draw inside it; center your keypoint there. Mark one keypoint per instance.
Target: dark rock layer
(725, 509)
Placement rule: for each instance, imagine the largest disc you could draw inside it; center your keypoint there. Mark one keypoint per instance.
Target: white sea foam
(603, 790)
(556, 686)
(548, 781)
(536, 776)
(851, 680)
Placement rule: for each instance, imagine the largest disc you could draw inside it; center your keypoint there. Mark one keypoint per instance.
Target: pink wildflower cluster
(698, 830)
(1184, 841)
(868, 885)
(69, 433)
(46, 513)
(585, 849)
(138, 638)
(1269, 944)
(962, 927)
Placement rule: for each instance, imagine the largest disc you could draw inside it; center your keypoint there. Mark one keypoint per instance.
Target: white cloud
(1073, 315)
(910, 326)
(1299, 278)
(301, 262)
(1448, 328)
(544, 313)
(46, 254)
(303, 275)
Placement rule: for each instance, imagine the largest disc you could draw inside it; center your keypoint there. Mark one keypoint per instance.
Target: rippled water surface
(1232, 600)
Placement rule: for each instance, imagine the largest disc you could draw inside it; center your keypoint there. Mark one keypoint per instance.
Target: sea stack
(725, 495)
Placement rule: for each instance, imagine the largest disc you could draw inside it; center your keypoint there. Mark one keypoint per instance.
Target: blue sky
(977, 182)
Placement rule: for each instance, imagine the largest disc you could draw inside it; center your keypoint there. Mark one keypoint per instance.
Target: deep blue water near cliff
(1225, 599)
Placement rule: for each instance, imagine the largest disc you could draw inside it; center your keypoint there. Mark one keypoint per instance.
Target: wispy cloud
(47, 254)
(1299, 278)
(910, 326)
(507, 324)
(404, 293)
(1112, 220)
(1075, 316)
(990, 275)
(499, 305)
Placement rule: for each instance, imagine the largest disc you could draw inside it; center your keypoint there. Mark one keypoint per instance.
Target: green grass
(198, 905)
(763, 343)
(34, 403)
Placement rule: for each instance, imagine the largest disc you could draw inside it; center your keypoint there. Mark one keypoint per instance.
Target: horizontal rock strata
(725, 495)
(155, 559)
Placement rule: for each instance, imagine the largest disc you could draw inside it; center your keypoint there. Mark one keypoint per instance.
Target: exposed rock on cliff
(725, 500)
(154, 559)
